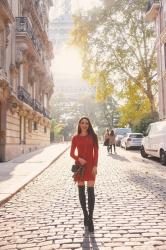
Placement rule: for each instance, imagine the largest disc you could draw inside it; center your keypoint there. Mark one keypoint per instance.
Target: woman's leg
(108, 148)
(91, 203)
(114, 149)
(82, 198)
(111, 148)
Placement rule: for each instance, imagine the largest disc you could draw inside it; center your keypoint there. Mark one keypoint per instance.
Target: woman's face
(84, 125)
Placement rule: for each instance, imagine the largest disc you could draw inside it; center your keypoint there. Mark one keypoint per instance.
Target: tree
(66, 114)
(103, 114)
(136, 105)
(116, 43)
(142, 125)
(56, 130)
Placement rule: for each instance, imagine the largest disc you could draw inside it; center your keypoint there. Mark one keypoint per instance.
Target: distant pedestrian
(112, 141)
(107, 139)
(86, 143)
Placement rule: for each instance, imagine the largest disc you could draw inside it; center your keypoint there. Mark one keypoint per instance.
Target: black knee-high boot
(82, 199)
(91, 203)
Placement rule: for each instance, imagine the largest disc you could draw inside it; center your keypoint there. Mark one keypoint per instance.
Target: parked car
(154, 142)
(132, 140)
(120, 133)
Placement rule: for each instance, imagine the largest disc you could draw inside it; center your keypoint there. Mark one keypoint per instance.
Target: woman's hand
(82, 161)
(94, 171)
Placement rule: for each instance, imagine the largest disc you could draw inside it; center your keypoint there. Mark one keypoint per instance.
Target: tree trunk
(152, 103)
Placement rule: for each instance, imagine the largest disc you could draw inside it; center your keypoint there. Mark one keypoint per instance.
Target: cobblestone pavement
(130, 210)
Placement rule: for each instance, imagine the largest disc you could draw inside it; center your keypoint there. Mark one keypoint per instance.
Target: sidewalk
(17, 173)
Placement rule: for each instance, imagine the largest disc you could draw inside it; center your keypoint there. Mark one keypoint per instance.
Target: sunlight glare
(85, 4)
(67, 62)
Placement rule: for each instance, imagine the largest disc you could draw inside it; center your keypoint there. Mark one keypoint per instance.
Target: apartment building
(156, 12)
(26, 84)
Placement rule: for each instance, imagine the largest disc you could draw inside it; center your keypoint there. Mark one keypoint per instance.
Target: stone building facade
(156, 12)
(26, 83)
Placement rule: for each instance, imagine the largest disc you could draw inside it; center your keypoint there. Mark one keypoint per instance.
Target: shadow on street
(119, 157)
(89, 241)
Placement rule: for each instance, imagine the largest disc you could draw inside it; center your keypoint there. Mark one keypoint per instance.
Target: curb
(2, 202)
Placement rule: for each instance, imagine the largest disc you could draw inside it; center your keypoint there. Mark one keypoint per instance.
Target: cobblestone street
(130, 209)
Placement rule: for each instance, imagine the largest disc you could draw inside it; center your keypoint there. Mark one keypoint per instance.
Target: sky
(76, 4)
(85, 4)
(67, 62)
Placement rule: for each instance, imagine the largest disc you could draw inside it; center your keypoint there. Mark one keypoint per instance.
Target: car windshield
(136, 136)
(122, 131)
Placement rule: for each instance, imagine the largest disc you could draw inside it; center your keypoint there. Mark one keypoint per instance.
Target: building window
(30, 89)
(0, 116)
(30, 126)
(164, 15)
(35, 127)
(2, 49)
(165, 54)
(22, 129)
(45, 129)
(45, 100)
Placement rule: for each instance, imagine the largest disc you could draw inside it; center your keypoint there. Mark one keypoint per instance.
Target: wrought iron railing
(3, 75)
(23, 25)
(24, 96)
(37, 106)
(46, 113)
(150, 3)
(38, 9)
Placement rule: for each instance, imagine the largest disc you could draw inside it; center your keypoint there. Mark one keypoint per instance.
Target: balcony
(46, 113)
(24, 96)
(40, 11)
(37, 5)
(25, 32)
(152, 11)
(37, 106)
(37, 12)
(3, 77)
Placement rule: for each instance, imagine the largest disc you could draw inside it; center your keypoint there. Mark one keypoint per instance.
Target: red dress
(87, 150)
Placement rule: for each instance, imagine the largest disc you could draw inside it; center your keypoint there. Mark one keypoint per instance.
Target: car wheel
(143, 153)
(163, 157)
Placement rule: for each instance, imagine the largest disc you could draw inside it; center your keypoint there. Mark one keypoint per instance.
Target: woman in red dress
(86, 143)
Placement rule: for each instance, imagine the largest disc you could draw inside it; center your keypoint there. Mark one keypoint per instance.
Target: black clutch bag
(75, 168)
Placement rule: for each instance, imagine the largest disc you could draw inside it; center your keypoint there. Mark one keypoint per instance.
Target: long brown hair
(112, 132)
(91, 131)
